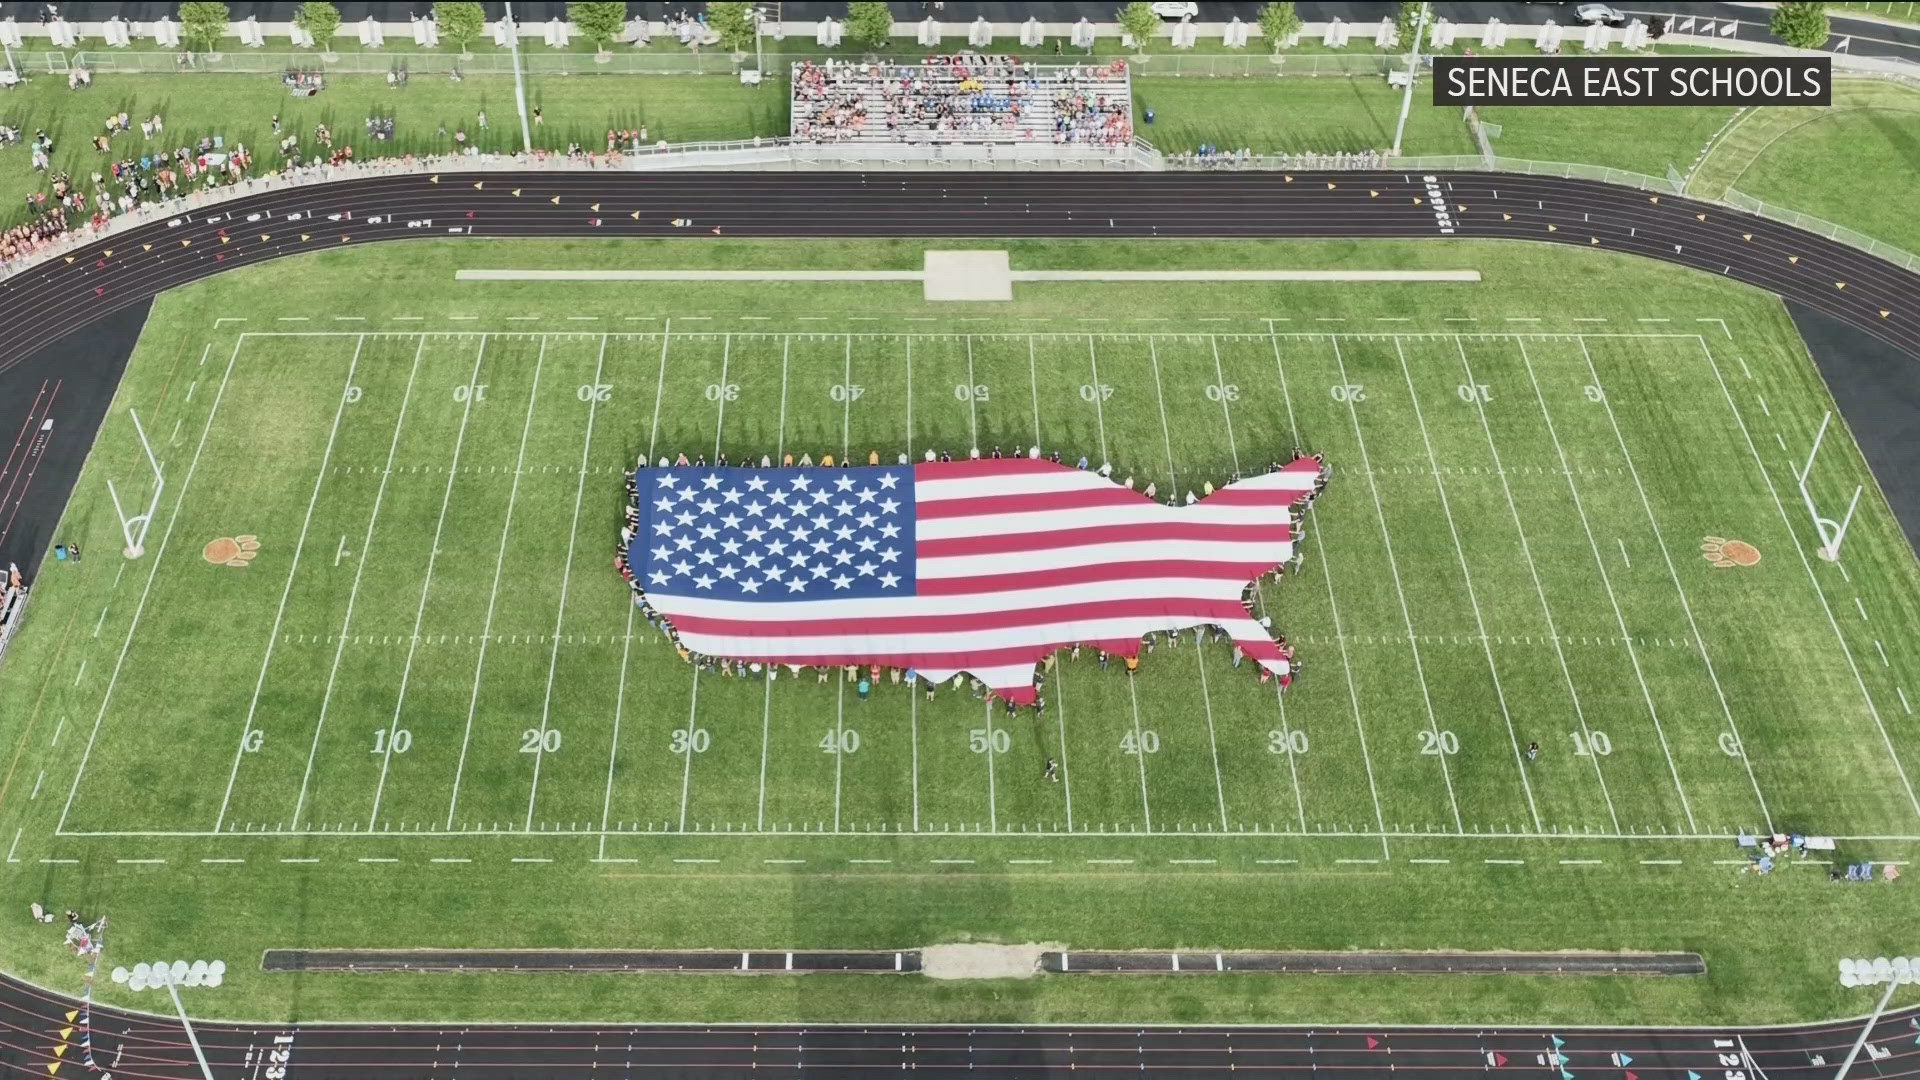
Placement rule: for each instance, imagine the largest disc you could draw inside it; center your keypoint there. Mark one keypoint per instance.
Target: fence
(640, 62)
(1823, 227)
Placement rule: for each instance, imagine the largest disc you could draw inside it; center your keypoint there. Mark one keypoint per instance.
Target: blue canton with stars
(775, 534)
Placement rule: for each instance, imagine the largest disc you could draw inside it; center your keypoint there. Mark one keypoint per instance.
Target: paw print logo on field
(231, 550)
(1725, 553)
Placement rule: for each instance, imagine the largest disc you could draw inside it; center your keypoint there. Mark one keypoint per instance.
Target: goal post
(1832, 533)
(134, 529)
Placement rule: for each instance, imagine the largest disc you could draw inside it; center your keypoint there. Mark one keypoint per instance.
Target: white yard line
(1699, 639)
(720, 420)
(1033, 387)
(846, 405)
(140, 608)
(1140, 754)
(1166, 434)
(1606, 583)
(566, 579)
(273, 634)
(1226, 410)
(353, 591)
(1859, 681)
(993, 796)
(493, 595)
(1326, 563)
(1099, 410)
(686, 770)
(426, 586)
(1060, 703)
(659, 391)
(1466, 575)
(909, 349)
(839, 744)
(766, 733)
(613, 744)
(1406, 614)
(973, 407)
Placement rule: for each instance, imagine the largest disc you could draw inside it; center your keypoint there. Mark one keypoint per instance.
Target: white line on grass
(720, 420)
(566, 578)
(1066, 775)
(846, 405)
(766, 734)
(1872, 709)
(613, 744)
(1606, 583)
(973, 408)
(839, 745)
(1099, 411)
(1326, 563)
(493, 595)
(1033, 387)
(353, 591)
(1539, 590)
(1406, 614)
(273, 634)
(993, 797)
(426, 586)
(16, 844)
(1132, 694)
(659, 392)
(1466, 575)
(1699, 639)
(909, 347)
(180, 501)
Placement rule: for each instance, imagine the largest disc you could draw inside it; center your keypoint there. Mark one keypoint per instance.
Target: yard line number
(400, 739)
(1475, 392)
(470, 391)
(1592, 743)
(1349, 392)
(846, 391)
(534, 740)
(1145, 742)
(1436, 743)
(974, 392)
(980, 740)
(840, 741)
(1287, 742)
(690, 741)
(723, 391)
(600, 392)
(1096, 392)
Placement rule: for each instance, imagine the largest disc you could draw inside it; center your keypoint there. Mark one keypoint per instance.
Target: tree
(732, 22)
(319, 19)
(1278, 22)
(1407, 22)
(870, 24)
(1138, 22)
(599, 22)
(1801, 25)
(461, 22)
(203, 23)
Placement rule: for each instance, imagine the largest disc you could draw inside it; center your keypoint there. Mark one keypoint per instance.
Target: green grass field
(340, 743)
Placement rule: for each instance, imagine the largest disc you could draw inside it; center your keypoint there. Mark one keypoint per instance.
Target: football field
(376, 639)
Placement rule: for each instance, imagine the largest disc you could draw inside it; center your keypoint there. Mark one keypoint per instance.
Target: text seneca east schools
(1625, 82)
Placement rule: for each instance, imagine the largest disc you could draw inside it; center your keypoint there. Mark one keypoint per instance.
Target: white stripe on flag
(961, 566)
(1142, 513)
(934, 643)
(876, 607)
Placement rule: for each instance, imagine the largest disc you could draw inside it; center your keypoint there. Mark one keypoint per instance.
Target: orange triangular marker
(479, 185)
(516, 193)
(1462, 207)
(53, 1068)
(344, 239)
(1884, 313)
(1553, 228)
(555, 200)
(143, 247)
(1839, 284)
(69, 258)
(1596, 240)
(1289, 179)
(1653, 198)
(186, 243)
(1416, 200)
(1746, 236)
(1701, 217)
(635, 215)
(226, 239)
(596, 208)
(1793, 258)
(60, 1050)
(1329, 185)
(1372, 194)
(64, 1032)
(71, 1014)
(108, 253)
(434, 179)
(264, 238)
(305, 236)
(1506, 217)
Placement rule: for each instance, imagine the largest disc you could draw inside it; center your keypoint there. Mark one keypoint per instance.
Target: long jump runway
(150, 1046)
(44, 309)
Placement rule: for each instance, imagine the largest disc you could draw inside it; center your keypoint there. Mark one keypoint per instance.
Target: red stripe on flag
(1244, 573)
(1031, 502)
(1186, 607)
(1104, 534)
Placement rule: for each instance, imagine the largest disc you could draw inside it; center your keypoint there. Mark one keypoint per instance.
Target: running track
(44, 304)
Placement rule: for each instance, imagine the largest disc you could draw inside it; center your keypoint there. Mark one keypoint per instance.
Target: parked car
(1588, 14)
(1177, 9)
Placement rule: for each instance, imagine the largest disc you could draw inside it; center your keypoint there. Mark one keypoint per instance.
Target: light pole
(519, 87)
(172, 976)
(759, 20)
(1895, 972)
(1413, 70)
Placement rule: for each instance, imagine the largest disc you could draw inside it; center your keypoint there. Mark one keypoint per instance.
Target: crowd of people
(868, 676)
(1208, 156)
(962, 98)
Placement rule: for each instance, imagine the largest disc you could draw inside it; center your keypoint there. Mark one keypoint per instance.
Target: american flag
(981, 566)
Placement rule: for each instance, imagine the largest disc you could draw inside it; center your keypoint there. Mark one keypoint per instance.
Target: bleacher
(962, 99)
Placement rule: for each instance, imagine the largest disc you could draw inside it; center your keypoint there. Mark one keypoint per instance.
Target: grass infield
(420, 713)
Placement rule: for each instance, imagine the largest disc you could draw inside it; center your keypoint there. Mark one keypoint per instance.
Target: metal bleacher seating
(963, 98)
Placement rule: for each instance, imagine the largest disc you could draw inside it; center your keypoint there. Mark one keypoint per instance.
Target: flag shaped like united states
(982, 566)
